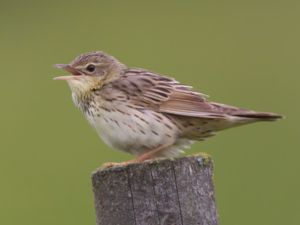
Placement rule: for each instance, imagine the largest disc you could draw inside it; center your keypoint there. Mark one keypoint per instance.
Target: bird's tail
(258, 116)
(246, 114)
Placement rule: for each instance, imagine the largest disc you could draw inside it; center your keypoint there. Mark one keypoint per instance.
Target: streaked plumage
(145, 113)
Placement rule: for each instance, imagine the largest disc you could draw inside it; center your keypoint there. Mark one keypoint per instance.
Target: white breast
(130, 131)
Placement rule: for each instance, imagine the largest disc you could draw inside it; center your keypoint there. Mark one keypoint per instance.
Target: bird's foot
(117, 164)
(142, 158)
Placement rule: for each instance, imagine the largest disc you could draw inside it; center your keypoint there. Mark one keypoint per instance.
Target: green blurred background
(243, 53)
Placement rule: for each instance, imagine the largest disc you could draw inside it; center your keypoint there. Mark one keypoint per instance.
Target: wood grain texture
(161, 192)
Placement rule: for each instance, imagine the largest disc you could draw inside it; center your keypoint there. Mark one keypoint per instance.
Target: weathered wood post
(162, 192)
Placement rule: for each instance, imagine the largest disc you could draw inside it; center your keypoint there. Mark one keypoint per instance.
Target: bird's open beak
(75, 73)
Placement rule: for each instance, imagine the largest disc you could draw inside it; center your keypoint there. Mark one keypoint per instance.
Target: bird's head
(91, 70)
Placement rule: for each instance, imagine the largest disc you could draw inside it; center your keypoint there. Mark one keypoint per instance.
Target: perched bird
(144, 113)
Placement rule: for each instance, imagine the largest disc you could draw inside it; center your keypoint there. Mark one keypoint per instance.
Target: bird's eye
(91, 68)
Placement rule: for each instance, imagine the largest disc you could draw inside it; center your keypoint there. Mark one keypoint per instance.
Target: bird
(144, 113)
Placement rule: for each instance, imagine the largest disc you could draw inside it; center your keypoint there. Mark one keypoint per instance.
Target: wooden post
(161, 192)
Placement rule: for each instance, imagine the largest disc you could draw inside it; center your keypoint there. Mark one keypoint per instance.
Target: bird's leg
(141, 158)
(151, 154)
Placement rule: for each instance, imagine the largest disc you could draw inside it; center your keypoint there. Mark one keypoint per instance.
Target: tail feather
(262, 116)
(245, 113)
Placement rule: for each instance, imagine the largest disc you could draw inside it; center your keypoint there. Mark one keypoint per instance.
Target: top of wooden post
(202, 158)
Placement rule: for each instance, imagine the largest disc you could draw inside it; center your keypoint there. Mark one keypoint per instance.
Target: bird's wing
(166, 95)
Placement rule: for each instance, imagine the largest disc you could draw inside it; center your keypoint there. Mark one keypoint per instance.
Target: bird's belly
(133, 131)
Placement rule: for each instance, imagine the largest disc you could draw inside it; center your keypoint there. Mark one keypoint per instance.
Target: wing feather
(166, 94)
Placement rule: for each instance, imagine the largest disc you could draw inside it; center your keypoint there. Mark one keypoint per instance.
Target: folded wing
(169, 96)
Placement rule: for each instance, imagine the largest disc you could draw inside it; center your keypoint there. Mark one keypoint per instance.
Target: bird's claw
(116, 164)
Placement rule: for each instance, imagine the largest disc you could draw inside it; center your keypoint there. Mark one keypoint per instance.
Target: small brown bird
(144, 113)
